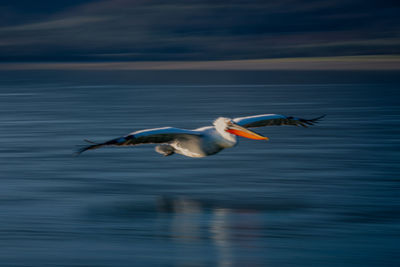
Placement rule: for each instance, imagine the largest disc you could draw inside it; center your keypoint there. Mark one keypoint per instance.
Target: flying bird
(203, 141)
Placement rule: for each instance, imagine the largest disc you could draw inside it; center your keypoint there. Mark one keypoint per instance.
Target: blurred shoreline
(373, 62)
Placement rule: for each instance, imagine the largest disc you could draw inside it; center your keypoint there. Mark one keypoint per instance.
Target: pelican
(204, 141)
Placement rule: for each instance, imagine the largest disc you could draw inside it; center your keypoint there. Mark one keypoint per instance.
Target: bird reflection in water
(194, 221)
(221, 235)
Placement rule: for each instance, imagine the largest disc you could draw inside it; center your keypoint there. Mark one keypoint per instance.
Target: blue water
(327, 195)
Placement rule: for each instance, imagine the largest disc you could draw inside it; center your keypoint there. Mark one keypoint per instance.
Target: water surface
(321, 196)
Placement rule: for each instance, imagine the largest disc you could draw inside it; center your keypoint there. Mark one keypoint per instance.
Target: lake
(327, 195)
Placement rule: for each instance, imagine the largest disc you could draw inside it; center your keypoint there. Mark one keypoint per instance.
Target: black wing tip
(93, 145)
(318, 118)
(314, 119)
(81, 150)
(90, 142)
(305, 123)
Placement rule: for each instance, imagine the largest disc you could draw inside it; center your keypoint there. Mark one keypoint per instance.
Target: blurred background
(326, 195)
(126, 30)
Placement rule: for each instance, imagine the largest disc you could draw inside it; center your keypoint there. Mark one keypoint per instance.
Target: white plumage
(203, 141)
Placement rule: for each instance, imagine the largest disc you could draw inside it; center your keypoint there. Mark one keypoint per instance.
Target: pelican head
(228, 129)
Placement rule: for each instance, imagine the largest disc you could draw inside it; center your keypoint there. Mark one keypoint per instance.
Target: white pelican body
(203, 141)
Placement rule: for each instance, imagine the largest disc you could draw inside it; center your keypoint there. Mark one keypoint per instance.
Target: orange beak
(243, 132)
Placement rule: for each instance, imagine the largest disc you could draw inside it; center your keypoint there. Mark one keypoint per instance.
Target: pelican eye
(229, 123)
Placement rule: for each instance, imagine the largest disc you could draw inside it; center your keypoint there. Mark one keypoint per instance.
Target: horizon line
(363, 62)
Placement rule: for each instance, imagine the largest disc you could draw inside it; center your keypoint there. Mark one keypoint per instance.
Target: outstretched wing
(274, 120)
(150, 136)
